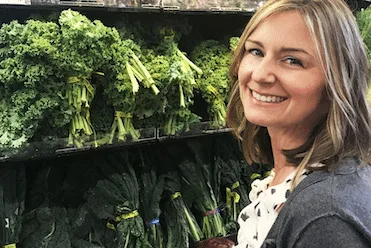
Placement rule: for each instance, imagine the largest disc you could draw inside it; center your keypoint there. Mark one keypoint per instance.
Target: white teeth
(272, 99)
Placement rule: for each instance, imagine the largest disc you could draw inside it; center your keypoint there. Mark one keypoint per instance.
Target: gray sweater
(327, 210)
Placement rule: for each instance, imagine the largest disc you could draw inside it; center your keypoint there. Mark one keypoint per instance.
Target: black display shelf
(195, 130)
(59, 147)
(98, 5)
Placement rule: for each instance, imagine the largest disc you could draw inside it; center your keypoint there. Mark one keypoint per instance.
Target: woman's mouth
(267, 98)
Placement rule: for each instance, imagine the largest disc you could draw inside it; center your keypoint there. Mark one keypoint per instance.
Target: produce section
(113, 129)
(68, 77)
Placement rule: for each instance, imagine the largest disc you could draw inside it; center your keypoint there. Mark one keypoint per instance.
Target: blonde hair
(346, 130)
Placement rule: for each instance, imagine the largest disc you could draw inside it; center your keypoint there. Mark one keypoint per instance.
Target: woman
(298, 101)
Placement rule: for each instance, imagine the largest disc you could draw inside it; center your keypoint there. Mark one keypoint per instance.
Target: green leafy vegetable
(180, 221)
(213, 57)
(30, 83)
(116, 200)
(197, 180)
(151, 192)
(12, 203)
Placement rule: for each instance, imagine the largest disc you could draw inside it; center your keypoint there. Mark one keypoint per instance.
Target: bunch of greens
(12, 203)
(213, 57)
(46, 227)
(181, 83)
(85, 233)
(85, 47)
(45, 222)
(180, 222)
(30, 84)
(236, 197)
(196, 178)
(116, 201)
(125, 71)
(151, 192)
(150, 108)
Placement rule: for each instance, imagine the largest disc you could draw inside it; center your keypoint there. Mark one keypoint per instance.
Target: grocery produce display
(70, 81)
(66, 76)
(156, 196)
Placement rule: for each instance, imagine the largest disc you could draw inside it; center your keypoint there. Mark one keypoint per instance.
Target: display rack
(211, 7)
(59, 147)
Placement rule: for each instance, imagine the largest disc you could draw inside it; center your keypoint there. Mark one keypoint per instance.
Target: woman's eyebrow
(295, 49)
(283, 49)
(255, 42)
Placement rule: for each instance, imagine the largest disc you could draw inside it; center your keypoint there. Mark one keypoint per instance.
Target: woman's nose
(264, 71)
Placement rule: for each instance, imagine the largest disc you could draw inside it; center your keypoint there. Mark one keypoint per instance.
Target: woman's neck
(284, 140)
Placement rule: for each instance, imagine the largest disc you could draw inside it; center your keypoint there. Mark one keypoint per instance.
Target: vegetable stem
(189, 62)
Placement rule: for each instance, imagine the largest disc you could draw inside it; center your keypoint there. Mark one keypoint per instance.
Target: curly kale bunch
(213, 58)
(125, 74)
(30, 82)
(86, 47)
(179, 84)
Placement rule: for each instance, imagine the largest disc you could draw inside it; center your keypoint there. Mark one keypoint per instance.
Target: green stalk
(69, 95)
(70, 136)
(121, 129)
(139, 71)
(79, 124)
(189, 62)
(181, 99)
(130, 129)
(234, 211)
(154, 88)
(139, 76)
(84, 98)
(141, 66)
(113, 130)
(192, 226)
(143, 70)
(78, 98)
(133, 80)
(87, 128)
(127, 240)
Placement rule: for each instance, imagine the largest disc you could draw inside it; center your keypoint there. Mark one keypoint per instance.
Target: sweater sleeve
(331, 231)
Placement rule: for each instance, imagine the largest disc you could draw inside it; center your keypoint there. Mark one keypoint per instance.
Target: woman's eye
(256, 52)
(293, 61)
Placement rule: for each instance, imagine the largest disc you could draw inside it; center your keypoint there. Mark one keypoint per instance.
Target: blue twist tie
(154, 222)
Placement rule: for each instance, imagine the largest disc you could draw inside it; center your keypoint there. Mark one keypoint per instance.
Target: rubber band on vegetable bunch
(86, 48)
(30, 81)
(181, 76)
(116, 200)
(151, 192)
(182, 227)
(194, 176)
(12, 204)
(213, 57)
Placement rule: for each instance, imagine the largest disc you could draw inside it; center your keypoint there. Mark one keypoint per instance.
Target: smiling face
(281, 81)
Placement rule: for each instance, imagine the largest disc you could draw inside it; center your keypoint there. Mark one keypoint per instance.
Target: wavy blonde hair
(346, 130)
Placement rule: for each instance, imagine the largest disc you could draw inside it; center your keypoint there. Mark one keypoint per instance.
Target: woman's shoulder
(344, 192)
(349, 183)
